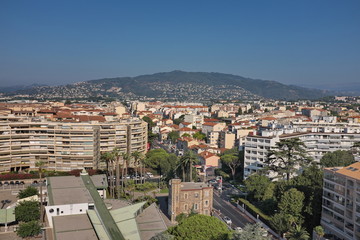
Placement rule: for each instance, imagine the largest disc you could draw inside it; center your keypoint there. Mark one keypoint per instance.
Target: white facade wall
(62, 210)
(317, 144)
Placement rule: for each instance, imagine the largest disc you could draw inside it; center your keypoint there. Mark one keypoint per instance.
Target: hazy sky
(304, 42)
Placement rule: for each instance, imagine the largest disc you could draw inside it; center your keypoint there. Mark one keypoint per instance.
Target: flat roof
(67, 190)
(99, 181)
(193, 186)
(76, 227)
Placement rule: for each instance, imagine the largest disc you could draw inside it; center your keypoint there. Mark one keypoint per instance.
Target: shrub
(28, 192)
(28, 229)
(255, 211)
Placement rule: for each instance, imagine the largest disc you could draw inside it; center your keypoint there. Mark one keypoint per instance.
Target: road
(227, 209)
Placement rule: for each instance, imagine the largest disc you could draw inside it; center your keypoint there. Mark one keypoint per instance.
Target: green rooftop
(7, 215)
(125, 220)
(103, 213)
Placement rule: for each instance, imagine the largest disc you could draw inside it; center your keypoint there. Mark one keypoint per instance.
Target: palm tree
(117, 154)
(181, 165)
(297, 233)
(186, 162)
(126, 162)
(137, 161)
(39, 165)
(107, 157)
(319, 230)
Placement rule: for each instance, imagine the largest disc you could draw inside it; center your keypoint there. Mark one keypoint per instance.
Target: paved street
(227, 209)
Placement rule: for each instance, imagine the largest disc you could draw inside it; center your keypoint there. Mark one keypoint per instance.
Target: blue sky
(304, 42)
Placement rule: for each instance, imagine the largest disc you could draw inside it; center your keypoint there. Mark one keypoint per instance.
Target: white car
(227, 220)
(238, 229)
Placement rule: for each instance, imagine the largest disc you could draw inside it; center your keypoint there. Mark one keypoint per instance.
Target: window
(185, 196)
(206, 203)
(196, 195)
(195, 206)
(185, 207)
(206, 193)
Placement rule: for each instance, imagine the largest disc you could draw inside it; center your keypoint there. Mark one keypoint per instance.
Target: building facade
(341, 202)
(316, 145)
(65, 146)
(185, 197)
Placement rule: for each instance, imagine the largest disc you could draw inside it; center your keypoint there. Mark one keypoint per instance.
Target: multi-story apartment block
(195, 120)
(341, 202)
(185, 197)
(227, 139)
(64, 146)
(317, 143)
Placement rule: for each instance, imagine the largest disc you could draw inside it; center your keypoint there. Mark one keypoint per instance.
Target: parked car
(12, 183)
(149, 174)
(227, 220)
(22, 182)
(238, 229)
(6, 183)
(17, 182)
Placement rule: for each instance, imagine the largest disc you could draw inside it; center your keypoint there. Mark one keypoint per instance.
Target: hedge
(255, 211)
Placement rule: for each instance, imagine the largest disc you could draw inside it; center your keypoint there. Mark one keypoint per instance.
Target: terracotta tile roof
(210, 120)
(109, 114)
(206, 154)
(352, 171)
(268, 118)
(187, 129)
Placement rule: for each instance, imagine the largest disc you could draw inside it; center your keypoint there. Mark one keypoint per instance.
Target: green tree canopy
(28, 192)
(201, 227)
(199, 135)
(292, 203)
(319, 230)
(233, 159)
(258, 187)
(186, 164)
(252, 232)
(149, 122)
(29, 229)
(337, 158)
(297, 233)
(161, 161)
(288, 156)
(179, 120)
(173, 136)
(27, 211)
(281, 222)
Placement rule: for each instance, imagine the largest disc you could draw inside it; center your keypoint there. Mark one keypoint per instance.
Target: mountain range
(175, 85)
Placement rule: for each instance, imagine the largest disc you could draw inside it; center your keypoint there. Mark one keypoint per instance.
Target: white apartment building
(318, 141)
(341, 202)
(195, 120)
(65, 146)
